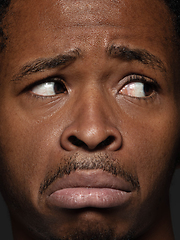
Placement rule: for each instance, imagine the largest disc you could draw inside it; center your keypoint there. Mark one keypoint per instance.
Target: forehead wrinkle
(86, 13)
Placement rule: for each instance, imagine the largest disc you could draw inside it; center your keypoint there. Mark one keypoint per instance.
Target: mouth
(89, 188)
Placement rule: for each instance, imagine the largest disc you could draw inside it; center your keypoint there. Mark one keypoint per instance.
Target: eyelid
(136, 78)
(140, 78)
(44, 80)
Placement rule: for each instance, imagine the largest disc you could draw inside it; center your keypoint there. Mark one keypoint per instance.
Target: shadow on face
(89, 129)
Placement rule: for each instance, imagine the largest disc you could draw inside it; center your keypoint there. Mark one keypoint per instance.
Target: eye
(138, 89)
(50, 88)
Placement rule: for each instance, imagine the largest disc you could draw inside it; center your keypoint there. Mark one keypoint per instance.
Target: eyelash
(127, 80)
(49, 79)
(145, 80)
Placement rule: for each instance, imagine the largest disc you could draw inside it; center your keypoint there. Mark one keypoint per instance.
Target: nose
(92, 128)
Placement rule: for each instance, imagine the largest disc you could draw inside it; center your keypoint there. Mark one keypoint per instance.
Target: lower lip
(76, 198)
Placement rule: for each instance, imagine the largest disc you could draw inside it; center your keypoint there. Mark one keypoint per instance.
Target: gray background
(5, 227)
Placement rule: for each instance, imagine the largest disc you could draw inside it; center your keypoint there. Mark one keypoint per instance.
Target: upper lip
(90, 179)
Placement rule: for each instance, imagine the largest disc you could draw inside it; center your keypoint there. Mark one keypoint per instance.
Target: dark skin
(115, 102)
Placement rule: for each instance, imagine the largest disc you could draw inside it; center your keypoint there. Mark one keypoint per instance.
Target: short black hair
(4, 4)
(174, 6)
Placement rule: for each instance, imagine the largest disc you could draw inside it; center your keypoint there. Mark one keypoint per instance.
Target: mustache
(80, 162)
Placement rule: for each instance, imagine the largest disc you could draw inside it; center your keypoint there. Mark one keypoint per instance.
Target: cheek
(25, 153)
(153, 150)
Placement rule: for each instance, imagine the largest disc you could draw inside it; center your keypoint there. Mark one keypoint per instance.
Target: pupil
(59, 88)
(147, 89)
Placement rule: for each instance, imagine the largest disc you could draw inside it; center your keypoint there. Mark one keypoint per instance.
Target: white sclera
(44, 89)
(135, 89)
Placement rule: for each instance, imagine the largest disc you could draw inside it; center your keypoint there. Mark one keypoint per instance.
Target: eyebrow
(140, 55)
(41, 64)
(63, 60)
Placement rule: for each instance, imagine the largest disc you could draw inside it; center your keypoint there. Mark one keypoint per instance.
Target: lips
(89, 188)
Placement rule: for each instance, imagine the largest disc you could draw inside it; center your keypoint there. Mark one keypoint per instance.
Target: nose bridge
(94, 108)
(91, 127)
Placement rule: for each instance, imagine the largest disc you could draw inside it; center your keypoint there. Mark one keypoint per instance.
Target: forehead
(47, 27)
(59, 15)
(89, 12)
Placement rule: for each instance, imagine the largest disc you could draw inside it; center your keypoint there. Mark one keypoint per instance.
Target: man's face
(89, 120)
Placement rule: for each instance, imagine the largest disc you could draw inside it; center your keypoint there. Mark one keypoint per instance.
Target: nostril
(76, 142)
(91, 137)
(108, 141)
(79, 143)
